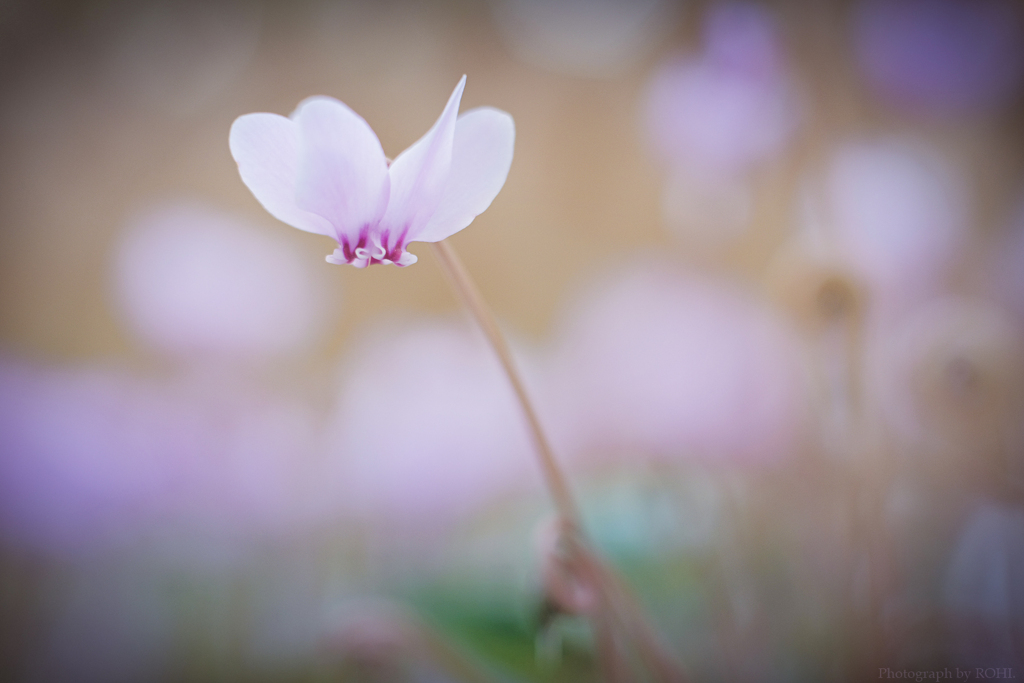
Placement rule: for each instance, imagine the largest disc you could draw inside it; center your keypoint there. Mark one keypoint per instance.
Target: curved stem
(622, 606)
(627, 611)
(463, 284)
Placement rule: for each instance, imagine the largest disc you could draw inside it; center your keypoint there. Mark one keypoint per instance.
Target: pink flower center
(372, 247)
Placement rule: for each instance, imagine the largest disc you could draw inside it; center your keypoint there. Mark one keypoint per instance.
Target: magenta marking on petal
(346, 250)
(394, 253)
(372, 248)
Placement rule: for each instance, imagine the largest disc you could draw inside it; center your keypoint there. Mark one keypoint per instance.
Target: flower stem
(467, 290)
(620, 604)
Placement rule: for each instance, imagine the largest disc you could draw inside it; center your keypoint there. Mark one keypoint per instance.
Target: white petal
(343, 174)
(406, 259)
(418, 175)
(266, 148)
(481, 157)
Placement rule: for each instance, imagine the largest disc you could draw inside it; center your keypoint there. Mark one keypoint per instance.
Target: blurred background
(762, 265)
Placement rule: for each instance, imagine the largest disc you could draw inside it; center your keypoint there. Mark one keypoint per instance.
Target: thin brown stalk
(474, 301)
(618, 600)
(629, 614)
(608, 651)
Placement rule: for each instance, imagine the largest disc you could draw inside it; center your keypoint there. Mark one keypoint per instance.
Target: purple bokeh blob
(941, 55)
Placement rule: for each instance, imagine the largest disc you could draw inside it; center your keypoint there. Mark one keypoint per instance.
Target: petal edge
(420, 173)
(481, 157)
(266, 149)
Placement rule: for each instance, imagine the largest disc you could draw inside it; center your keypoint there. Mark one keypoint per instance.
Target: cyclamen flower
(323, 170)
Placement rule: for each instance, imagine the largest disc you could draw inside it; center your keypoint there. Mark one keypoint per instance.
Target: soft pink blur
(662, 362)
(97, 458)
(897, 211)
(730, 107)
(194, 280)
(427, 428)
(714, 117)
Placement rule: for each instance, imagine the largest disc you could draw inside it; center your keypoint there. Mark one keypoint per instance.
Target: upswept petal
(266, 149)
(342, 171)
(481, 157)
(418, 175)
